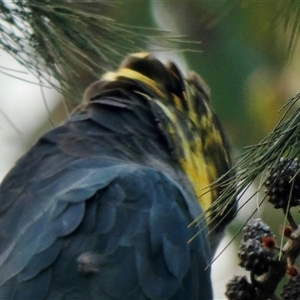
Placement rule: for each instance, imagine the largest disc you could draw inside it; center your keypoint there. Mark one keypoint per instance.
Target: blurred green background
(243, 53)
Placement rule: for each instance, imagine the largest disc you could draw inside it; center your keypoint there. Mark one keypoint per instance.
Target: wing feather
(97, 227)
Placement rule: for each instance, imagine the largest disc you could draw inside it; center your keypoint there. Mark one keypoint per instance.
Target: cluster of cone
(258, 252)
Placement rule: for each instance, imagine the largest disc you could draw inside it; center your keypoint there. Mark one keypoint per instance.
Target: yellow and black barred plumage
(100, 207)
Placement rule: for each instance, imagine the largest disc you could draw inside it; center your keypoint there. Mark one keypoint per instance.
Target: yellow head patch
(186, 116)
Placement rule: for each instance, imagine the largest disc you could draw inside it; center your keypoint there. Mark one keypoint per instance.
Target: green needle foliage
(65, 40)
(283, 141)
(288, 13)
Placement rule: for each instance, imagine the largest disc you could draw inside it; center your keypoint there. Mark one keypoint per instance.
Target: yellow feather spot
(134, 75)
(191, 157)
(200, 174)
(178, 102)
(109, 76)
(139, 54)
